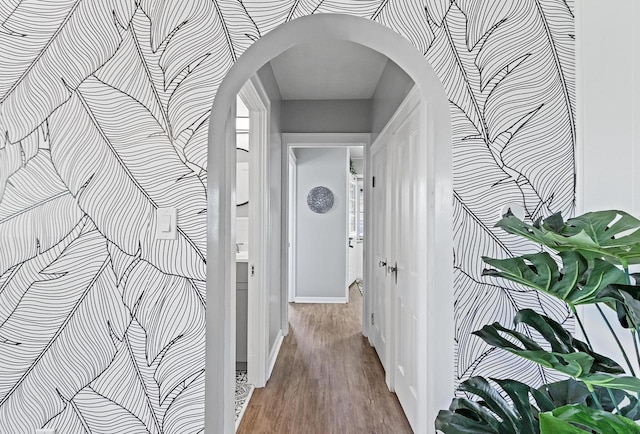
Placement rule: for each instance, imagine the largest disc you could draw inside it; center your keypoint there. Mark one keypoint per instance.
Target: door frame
(255, 97)
(290, 234)
(291, 141)
(438, 339)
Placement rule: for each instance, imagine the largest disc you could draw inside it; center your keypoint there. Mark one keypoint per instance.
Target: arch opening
(437, 353)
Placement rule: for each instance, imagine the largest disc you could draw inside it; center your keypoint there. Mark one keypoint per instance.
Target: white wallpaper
(103, 119)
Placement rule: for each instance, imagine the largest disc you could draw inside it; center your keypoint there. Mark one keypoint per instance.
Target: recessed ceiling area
(328, 70)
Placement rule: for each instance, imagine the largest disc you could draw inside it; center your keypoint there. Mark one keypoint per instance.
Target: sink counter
(242, 256)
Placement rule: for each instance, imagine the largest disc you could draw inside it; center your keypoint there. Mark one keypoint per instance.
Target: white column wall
(608, 99)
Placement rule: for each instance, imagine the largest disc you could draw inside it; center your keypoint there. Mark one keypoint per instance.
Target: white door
(406, 272)
(381, 235)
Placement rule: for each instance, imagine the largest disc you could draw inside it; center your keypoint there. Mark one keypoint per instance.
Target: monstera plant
(584, 260)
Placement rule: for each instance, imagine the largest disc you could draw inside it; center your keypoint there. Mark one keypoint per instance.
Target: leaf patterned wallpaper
(103, 119)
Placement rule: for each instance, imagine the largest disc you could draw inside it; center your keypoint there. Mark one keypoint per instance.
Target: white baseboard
(273, 355)
(321, 300)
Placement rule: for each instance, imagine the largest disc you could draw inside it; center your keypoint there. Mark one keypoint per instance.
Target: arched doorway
(436, 331)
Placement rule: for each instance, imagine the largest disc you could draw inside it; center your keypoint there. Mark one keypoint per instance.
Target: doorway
(249, 128)
(435, 329)
(320, 241)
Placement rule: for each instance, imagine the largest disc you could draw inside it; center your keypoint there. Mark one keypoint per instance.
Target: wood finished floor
(327, 379)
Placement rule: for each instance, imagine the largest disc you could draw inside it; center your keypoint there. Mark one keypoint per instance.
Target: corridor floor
(327, 379)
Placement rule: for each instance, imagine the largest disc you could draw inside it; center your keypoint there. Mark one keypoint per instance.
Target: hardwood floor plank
(327, 379)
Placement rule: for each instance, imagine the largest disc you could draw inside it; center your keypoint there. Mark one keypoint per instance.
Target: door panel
(381, 249)
(407, 201)
(399, 239)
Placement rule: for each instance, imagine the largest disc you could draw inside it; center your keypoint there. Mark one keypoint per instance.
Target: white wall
(358, 164)
(322, 238)
(609, 104)
(608, 90)
(326, 116)
(355, 261)
(275, 205)
(393, 87)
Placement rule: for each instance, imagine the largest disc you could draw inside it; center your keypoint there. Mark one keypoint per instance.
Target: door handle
(393, 270)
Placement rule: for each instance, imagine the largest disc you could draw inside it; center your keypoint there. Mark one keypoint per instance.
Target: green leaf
(610, 234)
(514, 225)
(575, 284)
(481, 387)
(493, 414)
(600, 227)
(625, 300)
(599, 277)
(574, 417)
(549, 424)
(621, 382)
(564, 392)
(568, 355)
(549, 328)
(449, 421)
(519, 395)
(571, 391)
(538, 271)
(631, 307)
(626, 402)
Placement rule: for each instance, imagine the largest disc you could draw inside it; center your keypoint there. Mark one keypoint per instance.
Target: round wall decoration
(320, 200)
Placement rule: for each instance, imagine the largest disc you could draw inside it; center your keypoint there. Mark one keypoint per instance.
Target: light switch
(166, 224)
(164, 221)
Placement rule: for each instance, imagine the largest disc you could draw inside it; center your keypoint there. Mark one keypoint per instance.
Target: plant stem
(595, 398)
(613, 399)
(584, 332)
(624, 353)
(625, 266)
(635, 332)
(634, 336)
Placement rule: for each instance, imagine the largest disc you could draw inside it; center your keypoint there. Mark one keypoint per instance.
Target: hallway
(327, 378)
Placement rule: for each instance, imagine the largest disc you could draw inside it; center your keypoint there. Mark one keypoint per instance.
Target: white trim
(439, 339)
(347, 234)
(255, 98)
(338, 300)
(273, 354)
(220, 389)
(289, 236)
(366, 269)
(317, 140)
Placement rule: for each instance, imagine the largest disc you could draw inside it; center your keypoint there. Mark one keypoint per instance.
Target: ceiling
(328, 70)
